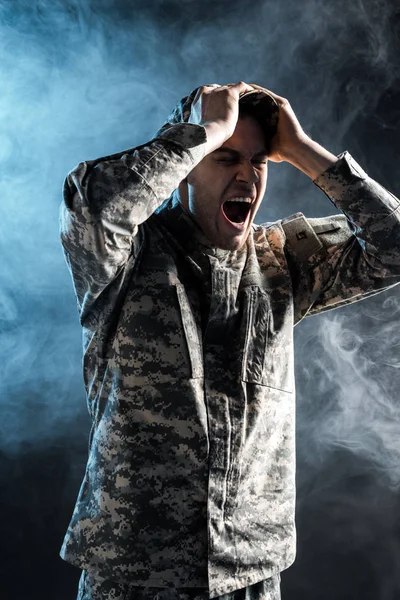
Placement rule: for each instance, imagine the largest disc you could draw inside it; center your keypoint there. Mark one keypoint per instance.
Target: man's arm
(336, 260)
(344, 258)
(107, 200)
(311, 158)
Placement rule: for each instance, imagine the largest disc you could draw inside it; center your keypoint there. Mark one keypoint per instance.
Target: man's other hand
(293, 145)
(290, 133)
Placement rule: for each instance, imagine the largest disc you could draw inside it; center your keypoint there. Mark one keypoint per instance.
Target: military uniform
(188, 366)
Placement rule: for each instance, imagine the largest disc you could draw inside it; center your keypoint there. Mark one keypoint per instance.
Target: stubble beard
(221, 241)
(210, 227)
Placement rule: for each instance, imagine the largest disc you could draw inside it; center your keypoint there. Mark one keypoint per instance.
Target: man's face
(236, 170)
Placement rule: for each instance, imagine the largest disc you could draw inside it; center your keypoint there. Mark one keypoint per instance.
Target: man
(188, 310)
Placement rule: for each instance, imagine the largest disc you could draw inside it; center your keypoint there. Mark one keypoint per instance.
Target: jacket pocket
(268, 342)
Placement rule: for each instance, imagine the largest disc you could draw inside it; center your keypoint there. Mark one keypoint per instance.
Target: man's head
(237, 170)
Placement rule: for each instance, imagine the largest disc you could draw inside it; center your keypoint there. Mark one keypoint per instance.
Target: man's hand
(289, 134)
(292, 144)
(217, 109)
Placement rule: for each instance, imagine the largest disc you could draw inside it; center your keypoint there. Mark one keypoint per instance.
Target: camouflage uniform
(91, 587)
(188, 363)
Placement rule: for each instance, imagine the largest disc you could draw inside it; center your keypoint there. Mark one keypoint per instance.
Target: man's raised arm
(338, 259)
(106, 200)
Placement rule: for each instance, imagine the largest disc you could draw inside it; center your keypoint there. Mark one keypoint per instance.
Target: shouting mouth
(236, 210)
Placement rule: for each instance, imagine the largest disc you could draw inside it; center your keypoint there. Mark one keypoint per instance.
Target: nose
(247, 172)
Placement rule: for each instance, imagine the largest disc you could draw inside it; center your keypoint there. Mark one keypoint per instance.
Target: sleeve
(346, 257)
(105, 201)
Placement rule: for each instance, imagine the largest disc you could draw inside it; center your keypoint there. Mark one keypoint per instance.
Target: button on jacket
(188, 362)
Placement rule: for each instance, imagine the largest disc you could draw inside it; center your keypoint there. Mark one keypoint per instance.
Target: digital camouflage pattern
(91, 587)
(188, 363)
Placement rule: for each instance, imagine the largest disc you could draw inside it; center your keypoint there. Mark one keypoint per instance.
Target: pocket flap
(301, 238)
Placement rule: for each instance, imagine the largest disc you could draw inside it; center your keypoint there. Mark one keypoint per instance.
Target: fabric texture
(92, 588)
(189, 363)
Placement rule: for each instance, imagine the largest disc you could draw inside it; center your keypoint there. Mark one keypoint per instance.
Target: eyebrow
(227, 150)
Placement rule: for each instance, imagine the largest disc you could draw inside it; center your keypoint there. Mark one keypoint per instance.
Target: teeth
(240, 199)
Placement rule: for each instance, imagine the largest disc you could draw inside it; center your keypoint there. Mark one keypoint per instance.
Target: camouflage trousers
(91, 588)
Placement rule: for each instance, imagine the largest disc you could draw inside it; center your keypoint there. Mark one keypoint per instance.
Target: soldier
(188, 309)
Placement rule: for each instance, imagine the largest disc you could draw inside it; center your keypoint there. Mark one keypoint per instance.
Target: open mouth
(236, 211)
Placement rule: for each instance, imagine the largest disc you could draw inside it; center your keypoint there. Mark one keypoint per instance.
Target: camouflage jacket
(188, 362)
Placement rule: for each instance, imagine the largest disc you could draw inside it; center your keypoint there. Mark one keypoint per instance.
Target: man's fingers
(263, 89)
(209, 85)
(241, 85)
(203, 89)
(279, 99)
